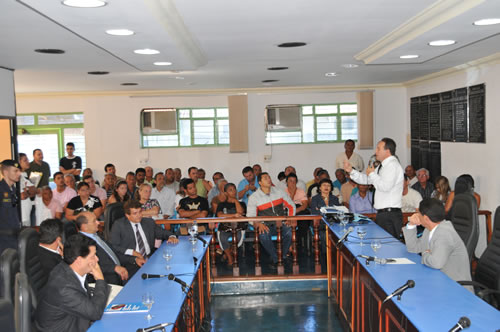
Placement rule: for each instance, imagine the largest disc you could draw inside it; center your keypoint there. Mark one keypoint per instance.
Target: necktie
(140, 242)
(107, 249)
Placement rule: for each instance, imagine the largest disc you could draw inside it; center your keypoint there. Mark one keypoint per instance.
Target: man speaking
(387, 178)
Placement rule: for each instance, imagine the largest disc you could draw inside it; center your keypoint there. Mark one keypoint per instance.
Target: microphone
(195, 260)
(150, 276)
(177, 280)
(377, 260)
(400, 290)
(349, 230)
(198, 236)
(463, 323)
(154, 327)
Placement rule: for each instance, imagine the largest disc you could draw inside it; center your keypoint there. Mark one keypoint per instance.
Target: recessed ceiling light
(49, 51)
(331, 74)
(120, 32)
(98, 72)
(129, 84)
(487, 21)
(146, 51)
(84, 3)
(162, 63)
(277, 68)
(409, 56)
(350, 65)
(269, 81)
(292, 44)
(444, 42)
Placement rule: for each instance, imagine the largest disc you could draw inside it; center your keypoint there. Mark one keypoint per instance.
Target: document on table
(401, 261)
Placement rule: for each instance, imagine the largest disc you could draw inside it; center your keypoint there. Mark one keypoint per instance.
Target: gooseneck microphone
(154, 327)
(377, 260)
(151, 276)
(463, 323)
(199, 237)
(349, 230)
(177, 280)
(400, 290)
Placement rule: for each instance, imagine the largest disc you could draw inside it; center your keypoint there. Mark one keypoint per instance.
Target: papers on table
(401, 261)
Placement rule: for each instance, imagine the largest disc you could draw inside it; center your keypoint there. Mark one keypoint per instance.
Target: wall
(7, 98)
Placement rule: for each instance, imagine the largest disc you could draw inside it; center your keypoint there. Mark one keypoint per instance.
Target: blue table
(435, 303)
(168, 295)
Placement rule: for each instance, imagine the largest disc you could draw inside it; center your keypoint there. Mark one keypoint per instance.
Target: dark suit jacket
(123, 235)
(66, 306)
(48, 259)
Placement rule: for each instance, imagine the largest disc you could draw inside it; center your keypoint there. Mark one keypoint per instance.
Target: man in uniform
(9, 215)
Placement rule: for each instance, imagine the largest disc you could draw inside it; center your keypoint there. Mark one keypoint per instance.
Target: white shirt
(174, 186)
(166, 198)
(356, 161)
(144, 239)
(81, 279)
(413, 181)
(388, 183)
(411, 200)
(26, 204)
(52, 250)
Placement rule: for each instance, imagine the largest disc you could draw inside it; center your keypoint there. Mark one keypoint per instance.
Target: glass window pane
(326, 109)
(60, 119)
(222, 113)
(349, 127)
(47, 142)
(160, 140)
(223, 131)
(25, 120)
(307, 129)
(326, 127)
(283, 137)
(203, 132)
(348, 108)
(203, 113)
(184, 114)
(76, 136)
(185, 132)
(307, 110)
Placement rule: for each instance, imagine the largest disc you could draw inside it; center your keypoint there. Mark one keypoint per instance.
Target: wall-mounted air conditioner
(283, 118)
(159, 121)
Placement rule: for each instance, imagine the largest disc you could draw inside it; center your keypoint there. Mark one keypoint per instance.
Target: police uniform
(9, 215)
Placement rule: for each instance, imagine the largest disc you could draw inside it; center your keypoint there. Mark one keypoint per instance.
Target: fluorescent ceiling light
(487, 21)
(146, 51)
(331, 74)
(444, 42)
(162, 63)
(84, 3)
(120, 32)
(350, 65)
(409, 56)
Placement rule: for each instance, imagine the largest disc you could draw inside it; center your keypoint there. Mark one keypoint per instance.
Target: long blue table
(168, 296)
(436, 303)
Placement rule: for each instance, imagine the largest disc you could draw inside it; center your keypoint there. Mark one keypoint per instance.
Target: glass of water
(167, 255)
(375, 244)
(361, 233)
(148, 300)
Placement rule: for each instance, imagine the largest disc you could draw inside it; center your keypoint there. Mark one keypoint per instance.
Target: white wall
(7, 97)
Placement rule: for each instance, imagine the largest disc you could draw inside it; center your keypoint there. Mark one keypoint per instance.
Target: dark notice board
(447, 133)
(414, 116)
(477, 132)
(415, 153)
(435, 118)
(460, 115)
(423, 112)
(434, 160)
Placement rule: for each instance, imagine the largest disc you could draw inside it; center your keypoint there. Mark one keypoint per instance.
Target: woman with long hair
(119, 193)
(442, 190)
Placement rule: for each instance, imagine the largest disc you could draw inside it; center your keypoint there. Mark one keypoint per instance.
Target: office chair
(9, 266)
(465, 220)
(30, 263)
(23, 305)
(7, 315)
(112, 213)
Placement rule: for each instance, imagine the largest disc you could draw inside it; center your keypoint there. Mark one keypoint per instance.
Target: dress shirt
(356, 161)
(81, 279)
(358, 204)
(144, 239)
(411, 201)
(388, 183)
(166, 198)
(64, 197)
(100, 242)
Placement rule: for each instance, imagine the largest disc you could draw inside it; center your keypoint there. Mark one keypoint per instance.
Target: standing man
(10, 223)
(40, 168)
(349, 155)
(388, 180)
(248, 185)
(71, 164)
(257, 169)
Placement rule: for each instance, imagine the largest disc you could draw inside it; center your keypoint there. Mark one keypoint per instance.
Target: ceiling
(221, 44)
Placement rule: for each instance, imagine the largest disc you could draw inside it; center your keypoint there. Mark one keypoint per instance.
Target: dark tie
(140, 242)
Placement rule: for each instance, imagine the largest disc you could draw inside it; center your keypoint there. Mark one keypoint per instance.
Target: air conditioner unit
(283, 117)
(159, 121)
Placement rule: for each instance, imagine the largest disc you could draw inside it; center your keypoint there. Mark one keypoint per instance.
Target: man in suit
(66, 304)
(109, 259)
(50, 249)
(440, 245)
(135, 236)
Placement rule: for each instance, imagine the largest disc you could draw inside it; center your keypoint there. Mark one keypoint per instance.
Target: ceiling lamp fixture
(120, 32)
(49, 51)
(331, 74)
(444, 42)
(84, 3)
(409, 56)
(350, 65)
(487, 21)
(162, 63)
(292, 44)
(146, 51)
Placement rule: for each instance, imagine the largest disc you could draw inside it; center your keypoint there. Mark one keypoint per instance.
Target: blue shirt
(357, 204)
(241, 186)
(337, 184)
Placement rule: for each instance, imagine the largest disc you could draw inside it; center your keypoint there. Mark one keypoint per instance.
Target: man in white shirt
(352, 157)
(170, 181)
(388, 180)
(164, 195)
(411, 198)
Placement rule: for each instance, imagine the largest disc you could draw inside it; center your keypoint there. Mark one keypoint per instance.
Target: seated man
(69, 181)
(140, 176)
(66, 303)
(440, 245)
(423, 186)
(215, 189)
(109, 260)
(131, 184)
(362, 201)
(50, 248)
(411, 174)
(248, 185)
(165, 196)
(193, 206)
(270, 201)
(46, 207)
(411, 198)
(62, 193)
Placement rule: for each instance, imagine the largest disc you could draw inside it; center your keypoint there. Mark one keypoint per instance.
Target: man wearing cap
(9, 215)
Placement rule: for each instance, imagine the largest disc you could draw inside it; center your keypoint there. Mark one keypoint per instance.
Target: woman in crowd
(463, 184)
(442, 190)
(150, 206)
(83, 202)
(119, 193)
(325, 197)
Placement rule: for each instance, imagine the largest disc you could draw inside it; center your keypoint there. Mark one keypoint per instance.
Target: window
(321, 124)
(51, 132)
(195, 127)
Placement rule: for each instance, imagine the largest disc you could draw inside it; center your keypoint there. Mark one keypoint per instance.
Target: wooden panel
(238, 123)
(365, 119)
(346, 283)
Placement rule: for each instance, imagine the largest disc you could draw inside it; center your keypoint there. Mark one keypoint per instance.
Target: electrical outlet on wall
(267, 158)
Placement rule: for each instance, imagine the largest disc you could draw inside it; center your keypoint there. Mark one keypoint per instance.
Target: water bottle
(225, 211)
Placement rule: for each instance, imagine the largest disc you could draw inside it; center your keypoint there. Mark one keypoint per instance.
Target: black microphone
(177, 280)
(198, 236)
(400, 290)
(463, 323)
(150, 276)
(195, 260)
(154, 327)
(377, 260)
(349, 230)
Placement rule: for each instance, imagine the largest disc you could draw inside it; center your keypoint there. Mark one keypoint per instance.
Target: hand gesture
(262, 228)
(370, 169)
(347, 166)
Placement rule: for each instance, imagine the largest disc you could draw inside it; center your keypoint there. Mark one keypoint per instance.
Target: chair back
(23, 304)
(112, 213)
(9, 267)
(29, 261)
(488, 267)
(464, 218)
(7, 315)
